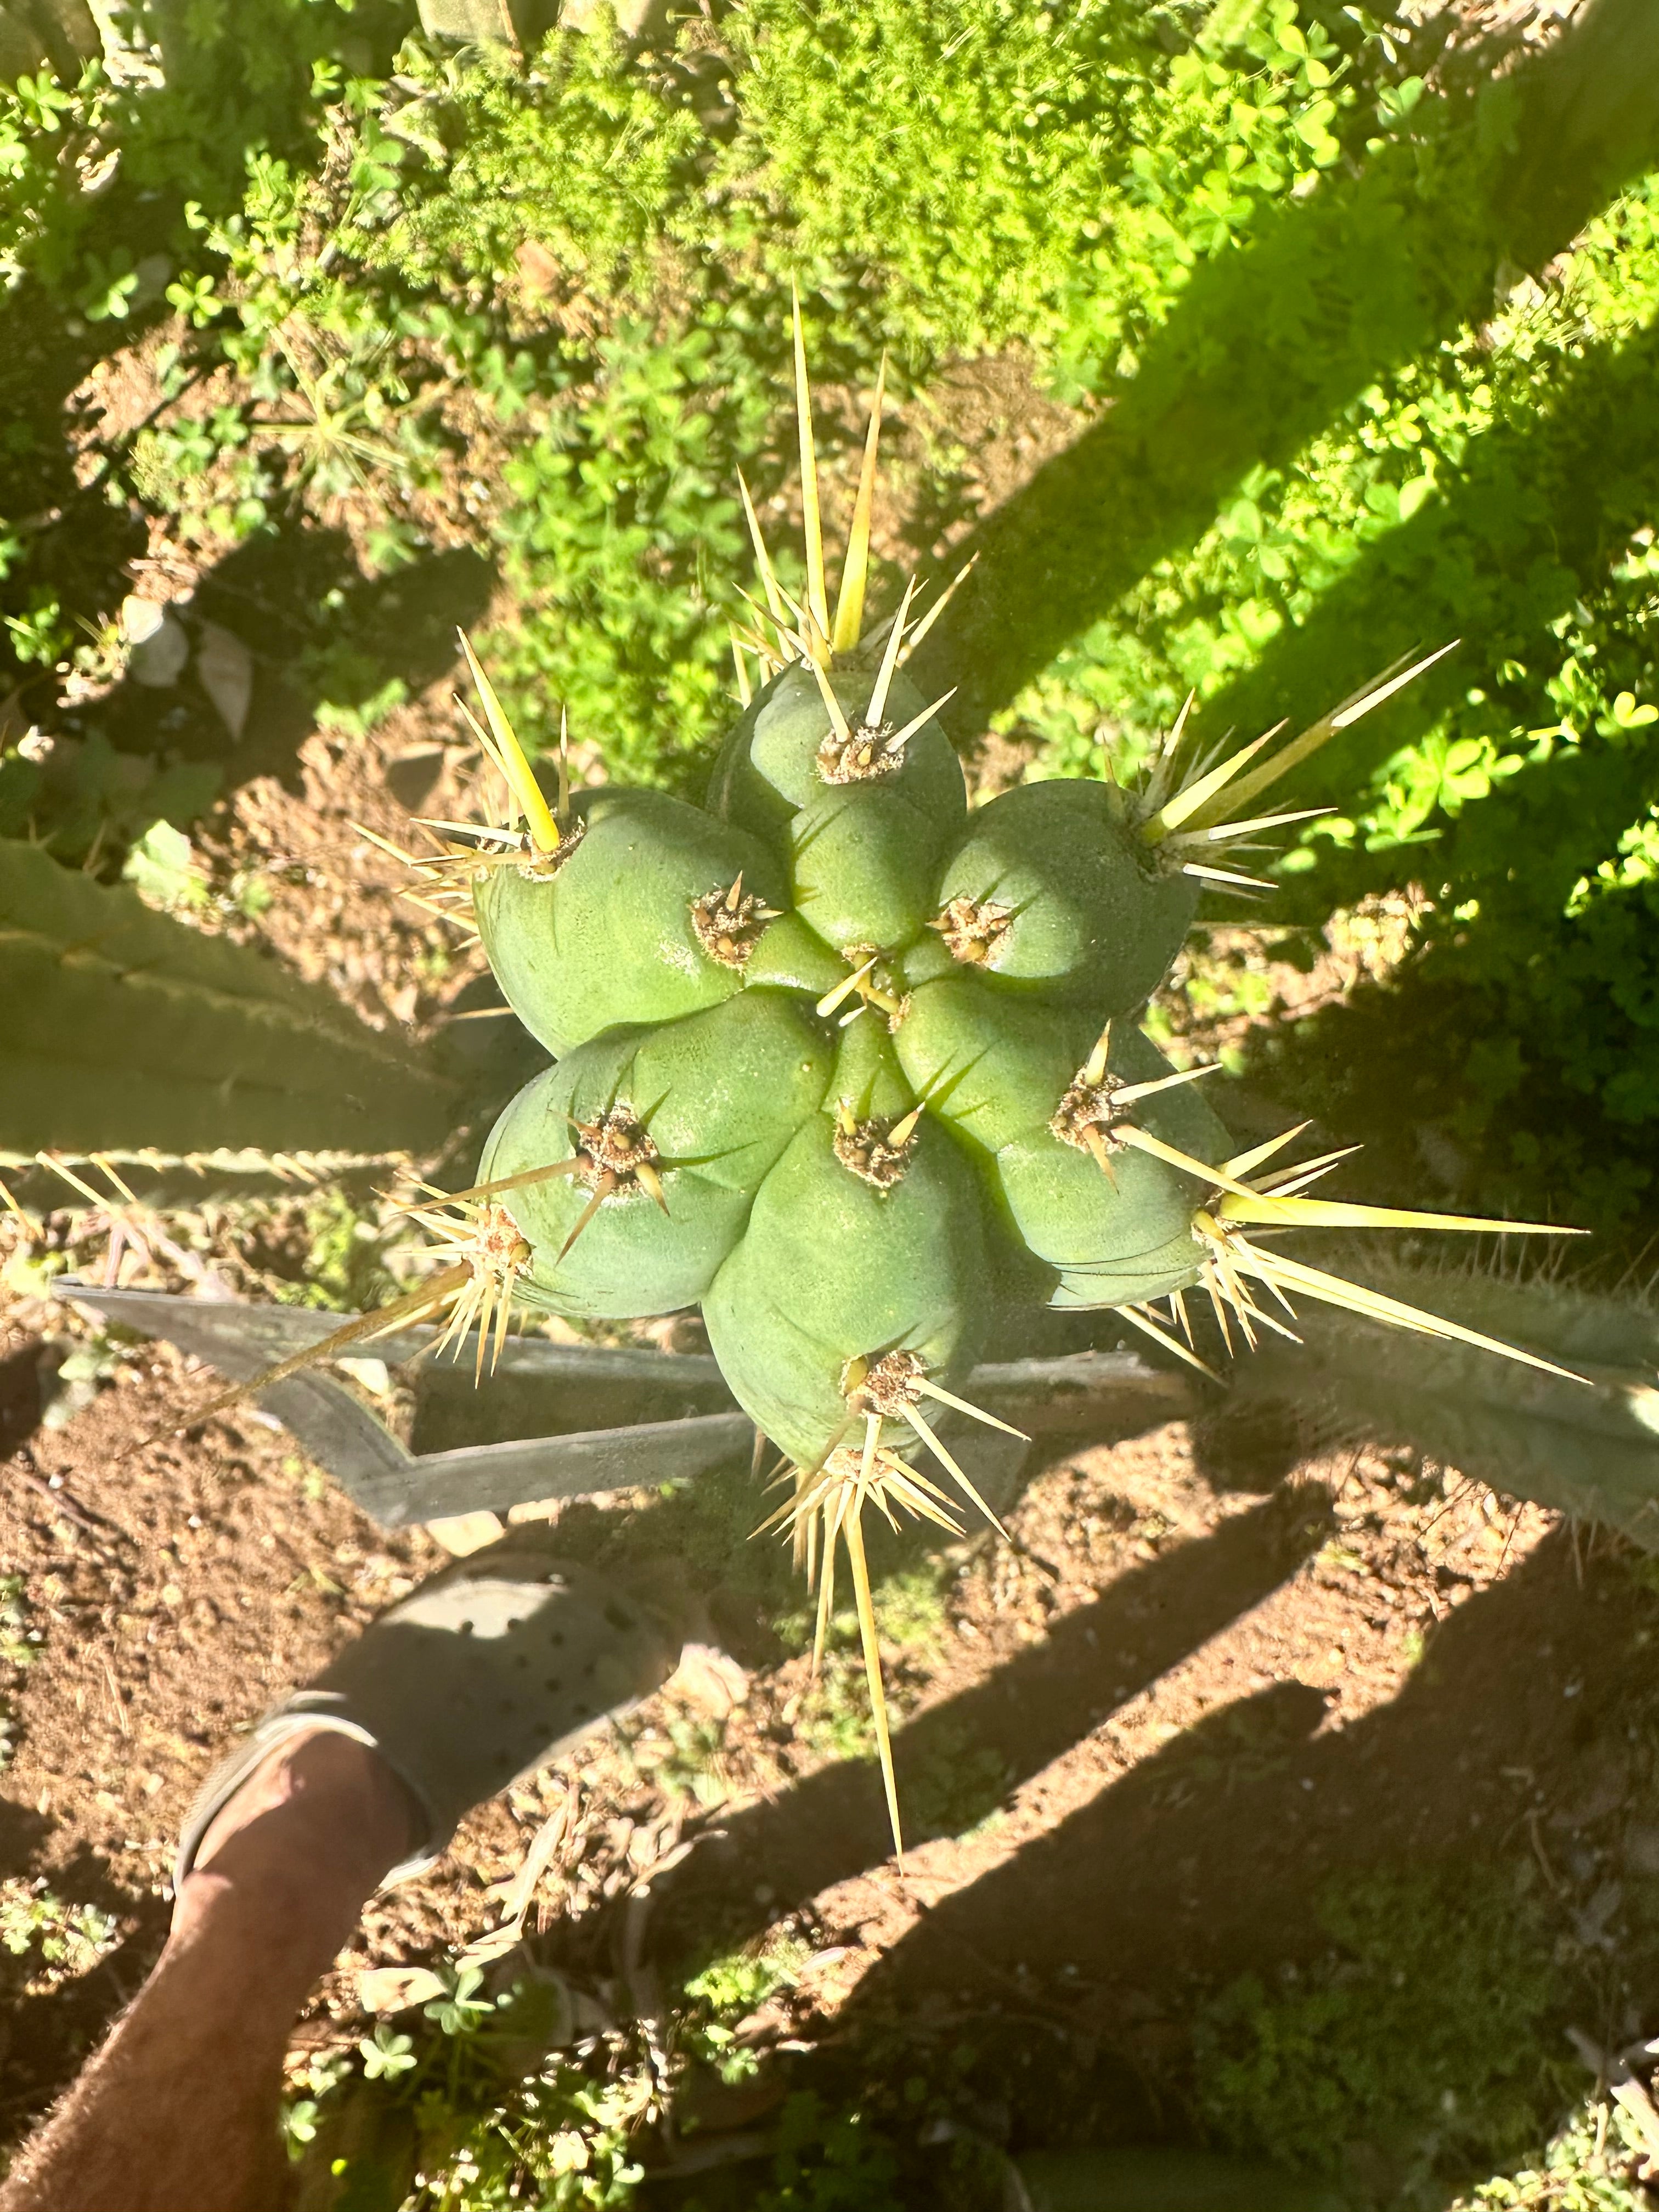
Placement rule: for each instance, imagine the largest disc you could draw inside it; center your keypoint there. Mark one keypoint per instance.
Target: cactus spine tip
(830, 1498)
(501, 747)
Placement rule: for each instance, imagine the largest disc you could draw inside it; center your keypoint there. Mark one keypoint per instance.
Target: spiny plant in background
(855, 1066)
(1592, 1454)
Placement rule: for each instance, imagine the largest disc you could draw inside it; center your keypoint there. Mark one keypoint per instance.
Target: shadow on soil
(1034, 1708)
(1061, 1986)
(1207, 1861)
(1057, 1993)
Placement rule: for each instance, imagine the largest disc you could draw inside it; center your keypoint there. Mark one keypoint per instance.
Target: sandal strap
(306, 1712)
(496, 1666)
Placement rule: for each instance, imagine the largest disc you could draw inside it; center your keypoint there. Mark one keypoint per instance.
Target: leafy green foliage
(54, 1941)
(477, 2105)
(681, 1759)
(460, 2111)
(621, 544)
(829, 2162)
(1592, 2164)
(161, 868)
(20, 1642)
(483, 176)
(965, 150)
(1500, 490)
(87, 800)
(1419, 2034)
(343, 1269)
(726, 1991)
(834, 1720)
(18, 1639)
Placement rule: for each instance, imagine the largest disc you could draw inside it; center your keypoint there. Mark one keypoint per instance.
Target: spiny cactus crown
(836, 1052)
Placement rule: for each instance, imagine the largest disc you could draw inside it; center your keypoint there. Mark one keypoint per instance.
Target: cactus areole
(845, 1061)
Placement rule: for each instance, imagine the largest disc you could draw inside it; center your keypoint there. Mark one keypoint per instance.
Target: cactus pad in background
(125, 1031)
(855, 1066)
(1592, 1453)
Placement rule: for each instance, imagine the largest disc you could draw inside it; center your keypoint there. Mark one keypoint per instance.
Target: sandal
(487, 1671)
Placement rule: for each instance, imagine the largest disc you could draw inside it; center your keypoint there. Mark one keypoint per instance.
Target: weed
(56, 1941)
(20, 1646)
(739, 1982)
(910, 1612)
(162, 868)
(91, 800)
(84, 1371)
(910, 1607)
(439, 2116)
(825, 2161)
(683, 1758)
(1594, 2164)
(1418, 2034)
(20, 1642)
(343, 1269)
(958, 1788)
(723, 1994)
(443, 2116)
(834, 1720)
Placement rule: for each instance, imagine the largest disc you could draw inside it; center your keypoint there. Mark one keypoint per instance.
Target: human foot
(306, 1834)
(485, 1673)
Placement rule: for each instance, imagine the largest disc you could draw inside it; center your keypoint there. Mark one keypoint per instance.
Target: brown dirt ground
(1213, 1673)
(338, 911)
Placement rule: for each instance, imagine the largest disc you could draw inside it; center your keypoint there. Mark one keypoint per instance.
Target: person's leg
(494, 1666)
(178, 2111)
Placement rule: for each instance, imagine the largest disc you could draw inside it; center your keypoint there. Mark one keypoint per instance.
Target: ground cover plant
(572, 271)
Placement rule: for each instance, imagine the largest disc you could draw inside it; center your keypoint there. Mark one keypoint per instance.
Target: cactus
(1591, 1452)
(126, 1032)
(855, 1066)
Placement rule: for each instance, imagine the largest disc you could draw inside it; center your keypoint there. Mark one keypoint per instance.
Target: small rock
(158, 646)
(710, 1680)
(225, 668)
(395, 1989)
(371, 1374)
(462, 1534)
(539, 271)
